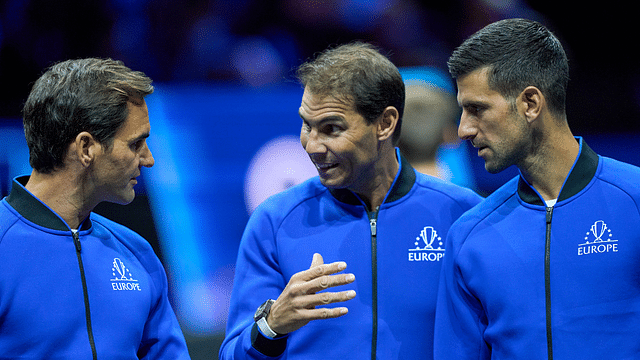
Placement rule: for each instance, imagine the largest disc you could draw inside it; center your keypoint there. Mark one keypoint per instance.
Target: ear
(85, 148)
(531, 102)
(387, 123)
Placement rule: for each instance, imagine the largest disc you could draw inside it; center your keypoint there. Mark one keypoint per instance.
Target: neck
(547, 169)
(385, 171)
(62, 191)
(430, 168)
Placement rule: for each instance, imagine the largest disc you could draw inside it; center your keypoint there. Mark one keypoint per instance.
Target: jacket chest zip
(87, 310)
(373, 223)
(547, 278)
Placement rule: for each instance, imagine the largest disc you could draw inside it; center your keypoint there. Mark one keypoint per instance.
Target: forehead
(474, 87)
(137, 122)
(317, 107)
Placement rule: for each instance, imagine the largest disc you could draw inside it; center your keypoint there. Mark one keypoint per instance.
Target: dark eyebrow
(140, 137)
(334, 118)
(473, 103)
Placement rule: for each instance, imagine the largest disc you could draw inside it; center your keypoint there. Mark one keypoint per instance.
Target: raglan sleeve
(257, 279)
(162, 337)
(460, 320)
(469, 199)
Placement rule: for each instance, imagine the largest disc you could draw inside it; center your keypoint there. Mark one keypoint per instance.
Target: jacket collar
(34, 210)
(403, 182)
(584, 169)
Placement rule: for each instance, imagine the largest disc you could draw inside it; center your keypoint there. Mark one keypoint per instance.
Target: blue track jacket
(395, 254)
(101, 293)
(524, 281)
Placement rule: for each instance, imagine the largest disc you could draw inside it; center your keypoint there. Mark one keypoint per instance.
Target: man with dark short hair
(546, 266)
(73, 284)
(368, 211)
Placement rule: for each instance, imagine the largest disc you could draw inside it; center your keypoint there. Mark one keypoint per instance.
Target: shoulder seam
(481, 219)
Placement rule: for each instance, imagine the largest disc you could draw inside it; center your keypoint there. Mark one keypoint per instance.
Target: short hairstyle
(518, 53)
(357, 72)
(75, 96)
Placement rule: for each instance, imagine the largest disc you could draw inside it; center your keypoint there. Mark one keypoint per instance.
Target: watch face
(263, 310)
(258, 313)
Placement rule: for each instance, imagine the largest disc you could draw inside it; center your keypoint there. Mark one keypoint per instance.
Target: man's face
(339, 141)
(116, 168)
(491, 123)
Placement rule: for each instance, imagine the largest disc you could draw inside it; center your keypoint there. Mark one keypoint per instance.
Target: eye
(474, 109)
(332, 129)
(136, 145)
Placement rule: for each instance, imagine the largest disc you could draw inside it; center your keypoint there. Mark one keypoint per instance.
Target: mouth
(324, 167)
(481, 148)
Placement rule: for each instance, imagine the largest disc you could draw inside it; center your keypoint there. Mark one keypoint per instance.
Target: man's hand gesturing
(296, 306)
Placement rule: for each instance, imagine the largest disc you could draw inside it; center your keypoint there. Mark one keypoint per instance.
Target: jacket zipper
(87, 311)
(373, 222)
(547, 280)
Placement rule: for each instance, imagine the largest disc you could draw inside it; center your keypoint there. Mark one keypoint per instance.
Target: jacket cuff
(269, 347)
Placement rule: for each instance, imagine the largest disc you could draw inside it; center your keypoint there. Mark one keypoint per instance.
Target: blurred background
(224, 114)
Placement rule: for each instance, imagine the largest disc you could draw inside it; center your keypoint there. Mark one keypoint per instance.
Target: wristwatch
(260, 317)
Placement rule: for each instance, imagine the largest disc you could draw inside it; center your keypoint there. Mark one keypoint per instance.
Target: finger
(320, 270)
(326, 298)
(317, 260)
(325, 313)
(304, 315)
(328, 281)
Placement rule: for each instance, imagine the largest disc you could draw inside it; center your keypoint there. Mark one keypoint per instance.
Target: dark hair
(74, 96)
(360, 73)
(518, 53)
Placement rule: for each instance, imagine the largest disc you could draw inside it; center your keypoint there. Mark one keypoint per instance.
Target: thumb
(317, 260)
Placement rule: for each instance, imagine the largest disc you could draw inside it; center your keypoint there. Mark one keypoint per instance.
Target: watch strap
(265, 329)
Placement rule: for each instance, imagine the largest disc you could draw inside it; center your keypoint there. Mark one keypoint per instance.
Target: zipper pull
(373, 224)
(76, 241)
(549, 214)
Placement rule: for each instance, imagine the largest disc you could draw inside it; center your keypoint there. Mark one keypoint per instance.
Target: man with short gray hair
(73, 284)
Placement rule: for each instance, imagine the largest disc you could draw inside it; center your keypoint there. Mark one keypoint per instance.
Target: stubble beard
(513, 153)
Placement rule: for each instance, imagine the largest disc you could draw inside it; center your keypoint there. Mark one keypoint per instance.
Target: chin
(331, 184)
(491, 170)
(125, 198)
(495, 168)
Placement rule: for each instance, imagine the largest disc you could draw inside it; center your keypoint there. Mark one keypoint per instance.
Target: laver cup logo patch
(598, 240)
(122, 279)
(428, 246)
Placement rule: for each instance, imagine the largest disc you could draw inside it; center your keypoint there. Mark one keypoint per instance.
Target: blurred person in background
(429, 139)
(368, 210)
(74, 284)
(547, 266)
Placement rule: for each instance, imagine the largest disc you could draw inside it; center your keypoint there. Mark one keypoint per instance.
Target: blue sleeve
(460, 320)
(162, 337)
(257, 279)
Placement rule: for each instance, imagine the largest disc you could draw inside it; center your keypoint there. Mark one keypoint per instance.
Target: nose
(311, 142)
(466, 129)
(146, 159)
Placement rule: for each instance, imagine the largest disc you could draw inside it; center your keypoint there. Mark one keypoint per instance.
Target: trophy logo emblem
(118, 266)
(428, 235)
(122, 279)
(598, 229)
(598, 245)
(428, 246)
